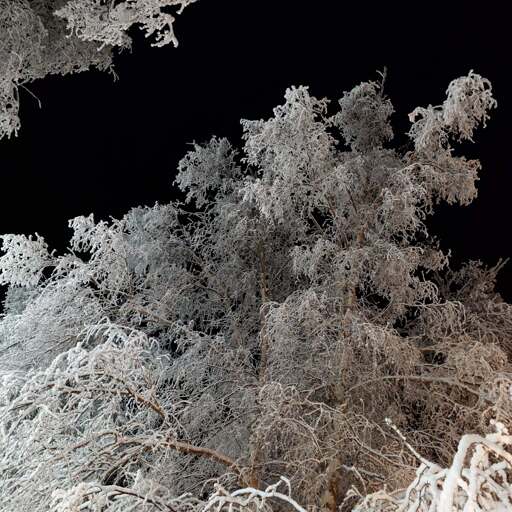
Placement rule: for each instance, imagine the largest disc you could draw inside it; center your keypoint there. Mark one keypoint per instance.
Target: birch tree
(287, 335)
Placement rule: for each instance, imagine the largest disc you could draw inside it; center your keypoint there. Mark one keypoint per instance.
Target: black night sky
(103, 146)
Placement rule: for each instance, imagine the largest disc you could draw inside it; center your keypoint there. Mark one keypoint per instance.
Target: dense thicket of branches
(291, 318)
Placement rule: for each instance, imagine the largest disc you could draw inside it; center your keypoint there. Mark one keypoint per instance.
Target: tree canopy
(289, 334)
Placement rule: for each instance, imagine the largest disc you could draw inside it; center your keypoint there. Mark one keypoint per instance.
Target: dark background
(102, 146)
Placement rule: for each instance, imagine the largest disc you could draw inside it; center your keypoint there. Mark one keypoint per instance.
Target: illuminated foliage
(265, 329)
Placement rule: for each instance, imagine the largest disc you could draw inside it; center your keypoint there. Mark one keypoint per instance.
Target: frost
(467, 105)
(33, 44)
(107, 23)
(46, 37)
(24, 260)
(478, 479)
(243, 349)
(364, 117)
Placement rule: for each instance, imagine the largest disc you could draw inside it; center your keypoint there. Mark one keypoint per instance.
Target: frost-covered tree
(48, 37)
(247, 347)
